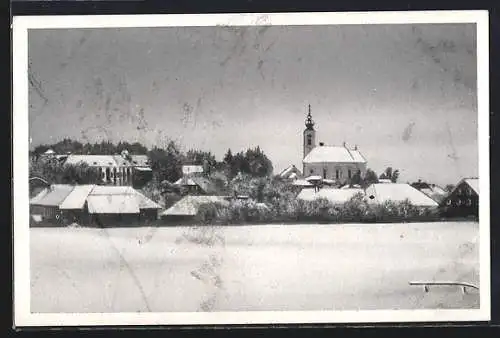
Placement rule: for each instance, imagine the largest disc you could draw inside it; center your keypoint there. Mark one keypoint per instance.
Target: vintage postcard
(251, 168)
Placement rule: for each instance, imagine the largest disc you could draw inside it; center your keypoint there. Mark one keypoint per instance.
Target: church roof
(334, 154)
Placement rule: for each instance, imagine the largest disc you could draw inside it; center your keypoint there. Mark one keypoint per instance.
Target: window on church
(324, 173)
(349, 173)
(311, 171)
(337, 174)
(309, 139)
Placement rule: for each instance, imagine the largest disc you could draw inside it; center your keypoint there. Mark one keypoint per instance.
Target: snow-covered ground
(274, 267)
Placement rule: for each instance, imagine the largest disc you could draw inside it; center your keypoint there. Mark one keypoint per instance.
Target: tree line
(166, 162)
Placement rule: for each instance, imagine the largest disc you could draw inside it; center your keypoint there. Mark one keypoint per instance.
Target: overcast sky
(406, 95)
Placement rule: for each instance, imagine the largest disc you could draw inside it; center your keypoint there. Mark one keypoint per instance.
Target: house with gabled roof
(430, 189)
(463, 200)
(291, 172)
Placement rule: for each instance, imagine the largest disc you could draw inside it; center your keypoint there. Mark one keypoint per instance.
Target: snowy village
(334, 184)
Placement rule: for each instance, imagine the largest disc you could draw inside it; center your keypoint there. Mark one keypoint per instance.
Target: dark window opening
(337, 174)
(324, 173)
(309, 140)
(311, 171)
(349, 173)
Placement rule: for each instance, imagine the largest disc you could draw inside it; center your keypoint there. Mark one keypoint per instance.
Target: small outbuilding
(188, 207)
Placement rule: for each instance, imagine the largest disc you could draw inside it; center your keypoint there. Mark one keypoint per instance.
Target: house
(290, 172)
(36, 185)
(194, 182)
(463, 200)
(432, 190)
(301, 183)
(92, 204)
(192, 169)
(49, 153)
(379, 193)
(123, 169)
(338, 163)
(188, 207)
(47, 202)
(333, 195)
(384, 180)
(199, 185)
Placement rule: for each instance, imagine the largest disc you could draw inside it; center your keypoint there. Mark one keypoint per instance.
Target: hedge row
(319, 210)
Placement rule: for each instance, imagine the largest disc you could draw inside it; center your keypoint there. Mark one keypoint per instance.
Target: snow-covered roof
(101, 199)
(336, 196)
(92, 160)
(398, 192)
(340, 154)
(113, 204)
(112, 190)
(473, 183)
(77, 197)
(354, 186)
(384, 180)
(290, 172)
(109, 160)
(189, 205)
(302, 183)
(191, 169)
(52, 196)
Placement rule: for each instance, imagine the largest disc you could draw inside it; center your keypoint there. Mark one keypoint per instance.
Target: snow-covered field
(274, 267)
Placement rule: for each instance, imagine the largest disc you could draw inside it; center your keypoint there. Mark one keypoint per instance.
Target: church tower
(309, 134)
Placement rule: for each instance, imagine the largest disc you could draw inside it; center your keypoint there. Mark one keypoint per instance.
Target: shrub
(152, 190)
(356, 209)
(208, 213)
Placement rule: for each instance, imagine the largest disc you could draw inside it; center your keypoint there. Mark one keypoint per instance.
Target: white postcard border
(22, 314)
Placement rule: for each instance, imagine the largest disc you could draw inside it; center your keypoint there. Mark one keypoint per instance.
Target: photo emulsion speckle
(260, 168)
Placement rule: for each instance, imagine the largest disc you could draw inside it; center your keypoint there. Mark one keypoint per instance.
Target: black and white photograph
(251, 168)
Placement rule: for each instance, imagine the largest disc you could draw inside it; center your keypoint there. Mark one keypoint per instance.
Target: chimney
(321, 144)
(356, 147)
(344, 143)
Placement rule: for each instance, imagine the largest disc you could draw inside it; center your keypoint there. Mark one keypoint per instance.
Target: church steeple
(309, 138)
(309, 120)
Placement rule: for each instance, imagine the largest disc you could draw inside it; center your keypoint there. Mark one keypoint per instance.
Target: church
(337, 163)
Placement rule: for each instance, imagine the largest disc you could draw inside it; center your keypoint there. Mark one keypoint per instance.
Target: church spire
(309, 120)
